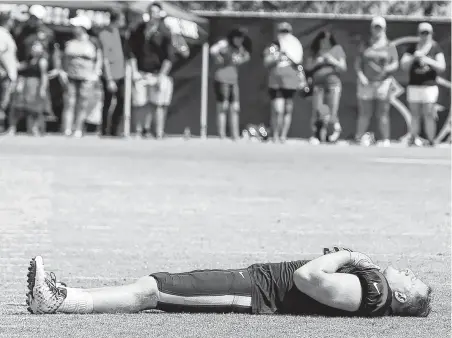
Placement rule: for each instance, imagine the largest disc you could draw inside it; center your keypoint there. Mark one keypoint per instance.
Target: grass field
(104, 212)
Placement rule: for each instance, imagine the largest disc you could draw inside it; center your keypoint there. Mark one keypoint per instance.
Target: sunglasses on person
(424, 33)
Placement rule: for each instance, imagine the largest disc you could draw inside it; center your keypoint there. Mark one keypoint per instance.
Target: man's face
(405, 281)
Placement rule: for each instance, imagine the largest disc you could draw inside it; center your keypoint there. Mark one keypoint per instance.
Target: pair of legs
(196, 291)
(281, 114)
(77, 96)
(228, 104)
(422, 101)
(27, 102)
(373, 99)
(143, 117)
(36, 124)
(111, 123)
(151, 100)
(325, 107)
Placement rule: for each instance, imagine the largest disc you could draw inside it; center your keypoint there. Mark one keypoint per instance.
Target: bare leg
(85, 94)
(69, 107)
(365, 112)
(222, 108)
(277, 117)
(148, 113)
(139, 296)
(13, 117)
(160, 116)
(234, 120)
(429, 114)
(288, 109)
(382, 109)
(317, 100)
(333, 99)
(415, 127)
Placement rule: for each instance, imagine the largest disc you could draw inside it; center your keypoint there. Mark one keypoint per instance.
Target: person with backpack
(82, 65)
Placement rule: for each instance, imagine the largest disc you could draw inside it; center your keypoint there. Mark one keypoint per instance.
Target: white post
(204, 88)
(127, 99)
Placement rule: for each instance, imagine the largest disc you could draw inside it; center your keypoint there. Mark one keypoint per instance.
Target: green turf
(103, 212)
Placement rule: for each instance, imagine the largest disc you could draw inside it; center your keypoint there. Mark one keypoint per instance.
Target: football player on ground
(340, 283)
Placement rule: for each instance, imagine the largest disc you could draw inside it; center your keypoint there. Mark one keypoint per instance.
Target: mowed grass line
(104, 212)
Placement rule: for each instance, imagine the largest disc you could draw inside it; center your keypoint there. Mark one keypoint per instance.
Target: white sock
(77, 301)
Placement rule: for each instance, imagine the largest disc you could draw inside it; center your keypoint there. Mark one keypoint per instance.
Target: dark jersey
(150, 51)
(423, 75)
(275, 292)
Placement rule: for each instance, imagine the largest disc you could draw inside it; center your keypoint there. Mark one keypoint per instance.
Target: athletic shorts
(144, 93)
(377, 90)
(281, 93)
(422, 94)
(226, 92)
(208, 291)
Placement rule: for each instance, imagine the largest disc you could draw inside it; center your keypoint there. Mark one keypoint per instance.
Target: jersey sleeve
(376, 294)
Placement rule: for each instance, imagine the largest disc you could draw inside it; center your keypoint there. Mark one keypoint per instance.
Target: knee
(288, 105)
(146, 291)
(278, 105)
(235, 107)
(224, 106)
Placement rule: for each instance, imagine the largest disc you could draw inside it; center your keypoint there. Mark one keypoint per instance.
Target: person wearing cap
(153, 55)
(82, 66)
(423, 61)
(114, 52)
(228, 54)
(283, 59)
(8, 63)
(376, 62)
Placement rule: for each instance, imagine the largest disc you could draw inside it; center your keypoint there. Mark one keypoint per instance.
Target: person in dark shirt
(35, 29)
(423, 60)
(341, 283)
(152, 58)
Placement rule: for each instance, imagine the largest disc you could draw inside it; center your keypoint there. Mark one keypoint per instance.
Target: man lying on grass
(339, 283)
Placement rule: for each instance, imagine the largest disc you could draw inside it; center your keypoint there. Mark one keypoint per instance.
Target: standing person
(423, 60)
(113, 74)
(35, 29)
(325, 64)
(228, 54)
(82, 64)
(283, 58)
(30, 95)
(377, 61)
(152, 58)
(8, 63)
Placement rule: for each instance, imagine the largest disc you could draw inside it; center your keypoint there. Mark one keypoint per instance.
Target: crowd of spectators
(389, 7)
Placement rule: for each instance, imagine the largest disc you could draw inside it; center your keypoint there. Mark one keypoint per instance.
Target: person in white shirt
(82, 65)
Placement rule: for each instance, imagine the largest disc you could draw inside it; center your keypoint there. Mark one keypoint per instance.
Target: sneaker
(314, 141)
(78, 134)
(44, 294)
(336, 133)
(384, 143)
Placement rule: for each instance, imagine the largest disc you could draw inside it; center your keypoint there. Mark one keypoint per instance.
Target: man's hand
(362, 261)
